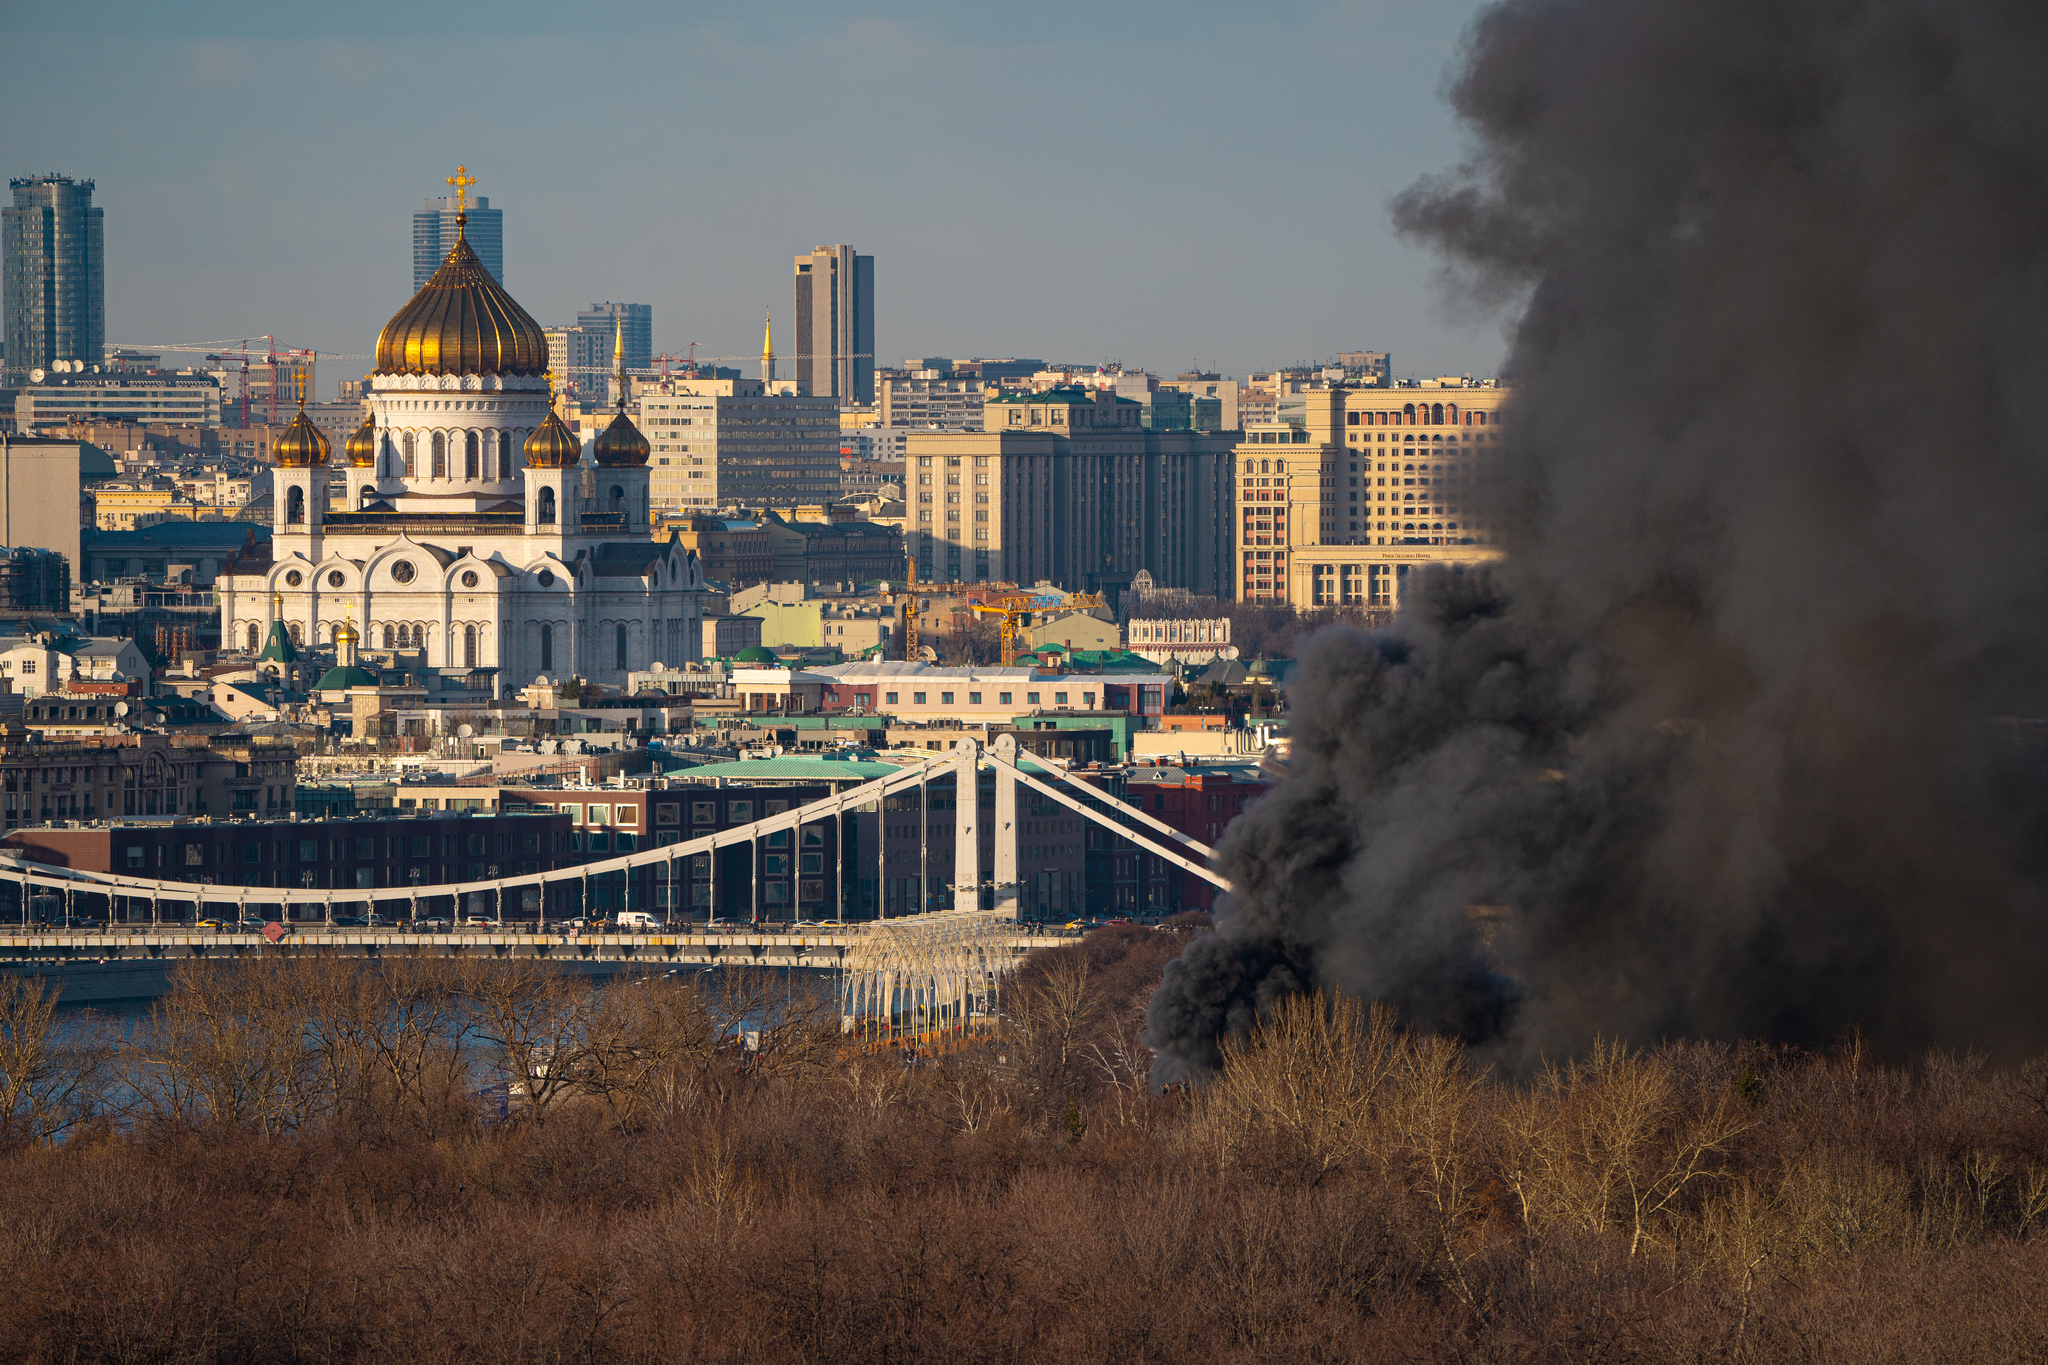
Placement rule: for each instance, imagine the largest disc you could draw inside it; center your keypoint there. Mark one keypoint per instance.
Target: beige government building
(1351, 489)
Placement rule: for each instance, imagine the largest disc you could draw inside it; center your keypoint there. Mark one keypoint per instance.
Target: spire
(619, 360)
(767, 348)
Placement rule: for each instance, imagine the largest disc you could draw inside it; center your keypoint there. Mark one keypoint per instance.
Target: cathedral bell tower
(360, 451)
(554, 478)
(620, 501)
(299, 486)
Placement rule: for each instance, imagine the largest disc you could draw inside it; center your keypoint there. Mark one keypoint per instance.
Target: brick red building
(1198, 802)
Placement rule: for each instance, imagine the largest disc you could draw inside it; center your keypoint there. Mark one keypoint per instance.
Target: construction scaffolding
(927, 981)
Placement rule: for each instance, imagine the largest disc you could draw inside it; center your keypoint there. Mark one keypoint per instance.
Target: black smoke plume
(1726, 745)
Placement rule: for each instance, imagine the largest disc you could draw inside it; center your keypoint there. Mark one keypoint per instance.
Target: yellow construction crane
(1012, 616)
(910, 616)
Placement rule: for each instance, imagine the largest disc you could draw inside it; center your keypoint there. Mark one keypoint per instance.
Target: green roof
(341, 679)
(756, 654)
(278, 648)
(816, 769)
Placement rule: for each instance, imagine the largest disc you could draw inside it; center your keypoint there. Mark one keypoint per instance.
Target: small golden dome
(462, 322)
(552, 445)
(301, 447)
(345, 633)
(621, 445)
(361, 448)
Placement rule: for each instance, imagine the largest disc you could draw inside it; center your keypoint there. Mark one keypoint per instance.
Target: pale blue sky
(1162, 184)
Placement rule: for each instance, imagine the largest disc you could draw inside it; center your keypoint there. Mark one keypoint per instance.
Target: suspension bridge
(934, 965)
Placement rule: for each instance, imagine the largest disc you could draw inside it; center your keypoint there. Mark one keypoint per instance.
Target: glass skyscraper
(433, 234)
(55, 295)
(635, 324)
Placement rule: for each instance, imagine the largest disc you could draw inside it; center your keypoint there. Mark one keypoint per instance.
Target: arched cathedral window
(546, 515)
(440, 455)
(407, 442)
(469, 470)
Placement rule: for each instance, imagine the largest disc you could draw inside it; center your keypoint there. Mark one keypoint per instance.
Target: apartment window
(629, 815)
(917, 699)
(888, 698)
(1059, 699)
(974, 698)
(740, 812)
(1088, 700)
(1031, 699)
(702, 813)
(1002, 699)
(945, 698)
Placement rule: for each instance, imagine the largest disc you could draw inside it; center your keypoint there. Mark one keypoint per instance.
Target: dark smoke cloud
(1719, 743)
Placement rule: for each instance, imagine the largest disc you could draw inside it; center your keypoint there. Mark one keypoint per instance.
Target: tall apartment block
(635, 325)
(835, 324)
(1353, 489)
(1070, 486)
(55, 296)
(433, 234)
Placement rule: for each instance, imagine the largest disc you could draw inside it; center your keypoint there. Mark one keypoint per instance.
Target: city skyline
(1242, 199)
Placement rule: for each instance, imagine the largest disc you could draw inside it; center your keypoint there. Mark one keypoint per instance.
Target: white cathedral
(474, 530)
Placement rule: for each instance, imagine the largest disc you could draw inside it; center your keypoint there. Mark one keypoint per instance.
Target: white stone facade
(467, 555)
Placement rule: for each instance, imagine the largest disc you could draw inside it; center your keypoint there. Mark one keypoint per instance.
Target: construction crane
(910, 616)
(241, 355)
(1016, 612)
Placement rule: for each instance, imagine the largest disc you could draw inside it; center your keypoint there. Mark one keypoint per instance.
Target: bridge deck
(20, 951)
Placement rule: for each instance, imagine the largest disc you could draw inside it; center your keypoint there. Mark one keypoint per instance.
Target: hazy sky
(1161, 184)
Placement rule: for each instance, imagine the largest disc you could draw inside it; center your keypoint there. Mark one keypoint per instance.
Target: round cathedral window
(402, 571)
(294, 578)
(469, 578)
(546, 578)
(335, 580)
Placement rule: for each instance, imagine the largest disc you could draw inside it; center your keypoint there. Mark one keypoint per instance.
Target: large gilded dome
(462, 322)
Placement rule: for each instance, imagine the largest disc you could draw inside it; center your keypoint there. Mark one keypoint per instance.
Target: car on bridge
(212, 926)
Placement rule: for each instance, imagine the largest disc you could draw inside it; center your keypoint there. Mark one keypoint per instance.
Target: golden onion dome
(462, 322)
(301, 447)
(552, 445)
(621, 445)
(361, 447)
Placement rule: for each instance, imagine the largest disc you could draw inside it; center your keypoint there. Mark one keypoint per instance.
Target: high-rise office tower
(633, 322)
(433, 235)
(55, 297)
(835, 324)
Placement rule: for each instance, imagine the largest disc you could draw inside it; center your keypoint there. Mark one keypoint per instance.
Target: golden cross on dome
(462, 180)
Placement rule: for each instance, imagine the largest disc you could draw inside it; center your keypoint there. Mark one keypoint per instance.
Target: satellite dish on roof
(37, 375)
(658, 667)
(156, 718)
(120, 708)
(464, 732)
